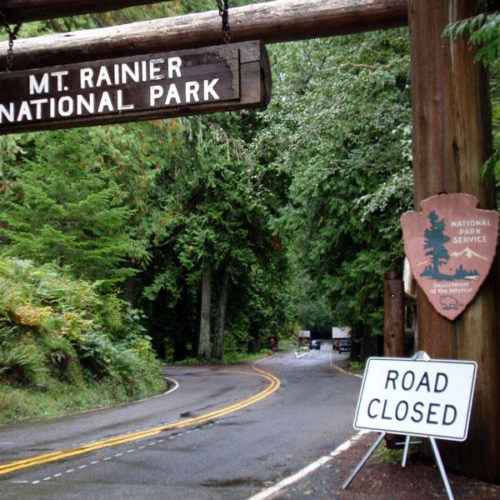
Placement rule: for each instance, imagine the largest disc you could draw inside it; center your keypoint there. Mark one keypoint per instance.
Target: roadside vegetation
(64, 347)
(277, 220)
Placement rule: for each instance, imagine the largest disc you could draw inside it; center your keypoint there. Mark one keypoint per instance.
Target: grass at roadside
(356, 367)
(21, 404)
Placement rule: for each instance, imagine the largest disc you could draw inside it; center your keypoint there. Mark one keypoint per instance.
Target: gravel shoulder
(382, 477)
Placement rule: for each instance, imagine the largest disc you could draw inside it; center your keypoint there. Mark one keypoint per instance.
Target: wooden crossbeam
(21, 11)
(277, 21)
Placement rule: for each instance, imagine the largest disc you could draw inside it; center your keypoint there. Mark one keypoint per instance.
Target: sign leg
(363, 460)
(405, 453)
(441, 468)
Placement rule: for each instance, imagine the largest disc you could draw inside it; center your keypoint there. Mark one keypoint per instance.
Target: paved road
(225, 433)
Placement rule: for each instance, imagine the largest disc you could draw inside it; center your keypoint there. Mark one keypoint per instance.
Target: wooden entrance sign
(142, 87)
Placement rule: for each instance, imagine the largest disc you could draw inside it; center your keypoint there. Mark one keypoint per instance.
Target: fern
(21, 365)
(484, 33)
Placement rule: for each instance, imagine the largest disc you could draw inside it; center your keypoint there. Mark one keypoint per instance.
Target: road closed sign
(430, 398)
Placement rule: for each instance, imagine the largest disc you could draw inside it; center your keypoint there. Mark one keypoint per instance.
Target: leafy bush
(62, 359)
(62, 335)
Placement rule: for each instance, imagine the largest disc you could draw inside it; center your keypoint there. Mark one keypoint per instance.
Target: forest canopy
(227, 230)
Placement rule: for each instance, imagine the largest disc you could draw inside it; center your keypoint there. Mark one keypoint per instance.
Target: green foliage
(483, 31)
(62, 360)
(21, 365)
(61, 203)
(299, 204)
(57, 332)
(338, 129)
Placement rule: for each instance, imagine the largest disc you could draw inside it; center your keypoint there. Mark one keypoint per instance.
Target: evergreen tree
(218, 230)
(337, 132)
(435, 240)
(63, 205)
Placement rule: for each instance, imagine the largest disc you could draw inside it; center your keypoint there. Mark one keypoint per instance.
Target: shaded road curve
(227, 432)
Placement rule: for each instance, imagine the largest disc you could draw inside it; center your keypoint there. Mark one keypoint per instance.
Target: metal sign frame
(407, 396)
(422, 361)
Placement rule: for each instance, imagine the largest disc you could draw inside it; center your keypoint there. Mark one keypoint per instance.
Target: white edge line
(340, 369)
(273, 490)
(168, 391)
(125, 403)
(301, 355)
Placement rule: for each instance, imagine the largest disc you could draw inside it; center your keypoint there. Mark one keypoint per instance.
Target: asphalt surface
(226, 432)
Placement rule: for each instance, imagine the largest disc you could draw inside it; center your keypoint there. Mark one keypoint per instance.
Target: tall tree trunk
(451, 141)
(206, 299)
(218, 342)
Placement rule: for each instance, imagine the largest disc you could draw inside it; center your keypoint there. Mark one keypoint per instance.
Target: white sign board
(341, 332)
(420, 398)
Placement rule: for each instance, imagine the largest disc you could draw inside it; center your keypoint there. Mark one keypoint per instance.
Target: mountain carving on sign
(469, 253)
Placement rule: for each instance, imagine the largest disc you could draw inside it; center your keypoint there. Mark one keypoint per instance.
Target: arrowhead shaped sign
(450, 245)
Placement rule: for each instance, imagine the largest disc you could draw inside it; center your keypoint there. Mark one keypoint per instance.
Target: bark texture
(21, 11)
(206, 300)
(451, 142)
(278, 21)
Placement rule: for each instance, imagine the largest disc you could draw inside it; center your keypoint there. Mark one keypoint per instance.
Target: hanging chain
(12, 32)
(224, 14)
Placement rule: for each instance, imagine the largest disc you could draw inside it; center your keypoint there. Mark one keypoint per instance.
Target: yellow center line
(274, 384)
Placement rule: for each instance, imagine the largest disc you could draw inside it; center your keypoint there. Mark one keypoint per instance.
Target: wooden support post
(394, 299)
(393, 315)
(451, 141)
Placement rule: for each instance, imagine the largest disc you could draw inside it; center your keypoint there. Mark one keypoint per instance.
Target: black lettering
(392, 376)
(444, 382)
(452, 418)
(404, 405)
(370, 406)
(417, 409)
(411, 377)
(424, 382)
(431, 413)
(384, 416)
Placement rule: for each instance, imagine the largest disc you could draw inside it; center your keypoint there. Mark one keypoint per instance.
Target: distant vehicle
(344, 345)
(315, 344)
(341, 334)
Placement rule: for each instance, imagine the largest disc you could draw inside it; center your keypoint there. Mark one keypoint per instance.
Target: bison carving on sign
(448, 302)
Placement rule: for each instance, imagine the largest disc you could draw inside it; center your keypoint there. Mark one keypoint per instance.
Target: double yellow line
(274, 384)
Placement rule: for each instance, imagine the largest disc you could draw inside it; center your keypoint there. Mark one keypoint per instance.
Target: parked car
(315, 344)
(344, 346)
